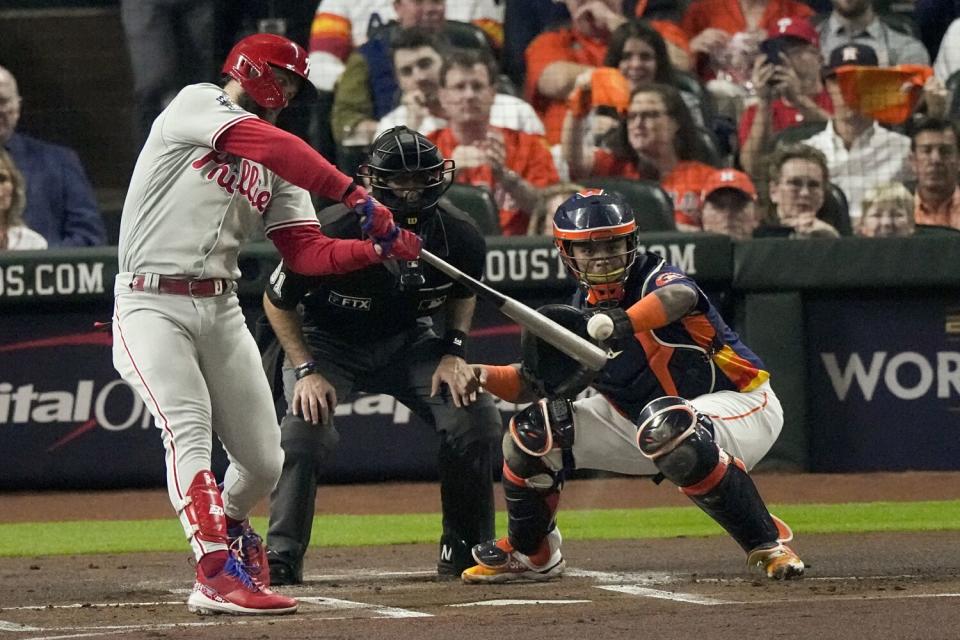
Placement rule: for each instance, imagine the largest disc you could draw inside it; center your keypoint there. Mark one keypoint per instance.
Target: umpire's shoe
(285, 569)
(232, 591)
(498, 561)
(454, 557)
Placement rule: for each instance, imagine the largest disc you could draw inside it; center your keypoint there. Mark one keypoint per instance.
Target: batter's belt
(193, 287)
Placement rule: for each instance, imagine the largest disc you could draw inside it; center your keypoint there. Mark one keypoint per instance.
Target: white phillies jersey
(189, 207)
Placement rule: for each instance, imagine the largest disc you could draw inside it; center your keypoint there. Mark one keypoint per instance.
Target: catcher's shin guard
(205, 522)
(532, 493)
(680, 443)
(466, 498)
(729, 496)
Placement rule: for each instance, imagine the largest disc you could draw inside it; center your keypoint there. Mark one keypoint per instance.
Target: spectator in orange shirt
(640, 53)
(710, 23)
(935, 158)
(556, 58)
(657, 141)
(788, 92)
(513, 164)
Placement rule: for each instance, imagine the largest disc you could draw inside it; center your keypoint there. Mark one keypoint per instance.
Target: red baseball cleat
(233, 591)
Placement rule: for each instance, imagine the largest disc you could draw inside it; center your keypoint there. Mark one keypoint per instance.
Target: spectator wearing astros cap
(729, 204)
(789, 89)
(860, 153)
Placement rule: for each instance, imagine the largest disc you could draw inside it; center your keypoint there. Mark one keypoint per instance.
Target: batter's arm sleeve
(286, 325)
(286, 155)
(306, 250)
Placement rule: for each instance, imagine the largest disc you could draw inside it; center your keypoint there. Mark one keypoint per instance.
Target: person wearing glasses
(798, 180)
(657, 140)
(860, 153)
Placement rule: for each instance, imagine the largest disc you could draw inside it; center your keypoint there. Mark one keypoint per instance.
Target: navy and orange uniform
(693, 356)
(368, 304)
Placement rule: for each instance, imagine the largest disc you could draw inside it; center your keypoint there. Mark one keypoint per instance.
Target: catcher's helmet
(595, 216)
(407, 174)
(249, 64)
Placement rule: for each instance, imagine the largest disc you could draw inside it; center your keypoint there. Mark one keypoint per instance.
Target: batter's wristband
(455, 343)
(305, 369)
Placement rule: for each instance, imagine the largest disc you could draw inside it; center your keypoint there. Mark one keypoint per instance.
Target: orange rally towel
(887, 94)
(608, 88)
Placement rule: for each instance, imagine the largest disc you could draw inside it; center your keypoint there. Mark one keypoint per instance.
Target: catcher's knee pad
(542, 426)
(202, 507)
(524, 470)
(678, 440)
(300, 439)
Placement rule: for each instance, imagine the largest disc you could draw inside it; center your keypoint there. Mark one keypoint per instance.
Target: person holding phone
(789, 90)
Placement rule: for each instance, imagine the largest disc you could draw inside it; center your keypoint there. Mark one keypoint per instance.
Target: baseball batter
(682, 398)
(214, 169)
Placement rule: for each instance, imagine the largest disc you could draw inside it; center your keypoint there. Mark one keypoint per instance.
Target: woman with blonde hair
(13, 198)
(887, 211)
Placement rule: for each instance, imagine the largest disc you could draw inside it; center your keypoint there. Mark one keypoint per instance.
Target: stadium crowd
(753, 117)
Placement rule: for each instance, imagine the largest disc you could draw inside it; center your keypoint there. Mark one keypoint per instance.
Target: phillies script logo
(246, 181)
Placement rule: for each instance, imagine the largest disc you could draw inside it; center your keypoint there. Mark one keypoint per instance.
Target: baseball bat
(581, 350)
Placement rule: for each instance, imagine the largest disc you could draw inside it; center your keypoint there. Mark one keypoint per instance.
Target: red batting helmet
(249, 64)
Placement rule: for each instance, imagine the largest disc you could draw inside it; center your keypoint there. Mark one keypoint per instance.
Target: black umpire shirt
(369, 304)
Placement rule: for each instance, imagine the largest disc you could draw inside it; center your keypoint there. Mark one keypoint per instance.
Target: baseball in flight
(600, 326)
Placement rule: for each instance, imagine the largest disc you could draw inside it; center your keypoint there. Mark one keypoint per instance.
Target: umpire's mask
(407, 174)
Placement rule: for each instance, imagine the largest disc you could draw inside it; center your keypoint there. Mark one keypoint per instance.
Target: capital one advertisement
(67, 420)
(884, 382)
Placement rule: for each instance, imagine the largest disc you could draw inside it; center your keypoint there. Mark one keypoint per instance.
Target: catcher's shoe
(232, 591)
(247, 545)
(498, 561)
(778, 562)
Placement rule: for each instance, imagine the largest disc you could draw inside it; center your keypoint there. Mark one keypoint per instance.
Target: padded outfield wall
(862, 338)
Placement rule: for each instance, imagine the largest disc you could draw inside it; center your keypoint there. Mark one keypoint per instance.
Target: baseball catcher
(684, 399)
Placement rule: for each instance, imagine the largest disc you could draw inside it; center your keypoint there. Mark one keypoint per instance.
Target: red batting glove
(400, 244)
(375, 219)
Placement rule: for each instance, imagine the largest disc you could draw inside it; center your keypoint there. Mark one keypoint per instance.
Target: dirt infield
(889, 585)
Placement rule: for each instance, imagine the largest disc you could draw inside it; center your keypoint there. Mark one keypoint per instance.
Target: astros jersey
(695, 355)
(189, 206)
